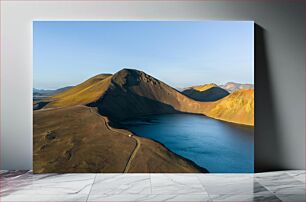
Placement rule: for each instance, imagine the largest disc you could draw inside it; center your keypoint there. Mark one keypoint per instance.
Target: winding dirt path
(128, 165)
(138, 142)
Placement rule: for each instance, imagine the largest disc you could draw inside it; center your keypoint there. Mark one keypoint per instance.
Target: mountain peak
(126, 76)
(129, 69)
(132, 77)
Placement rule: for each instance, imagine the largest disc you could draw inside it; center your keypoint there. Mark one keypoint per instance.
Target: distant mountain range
(212, 92)
(130, 93)
(234, 102)
(232, 86)
(43, 92)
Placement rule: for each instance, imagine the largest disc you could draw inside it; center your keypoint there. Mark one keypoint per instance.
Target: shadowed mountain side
(39, 105)
(133, 93)
(211, 94)
(78, 139)
(238, 107)
(118, 105)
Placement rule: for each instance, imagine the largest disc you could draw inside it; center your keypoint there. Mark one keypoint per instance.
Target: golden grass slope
(84, 93)
(237, 107)
(203, 87)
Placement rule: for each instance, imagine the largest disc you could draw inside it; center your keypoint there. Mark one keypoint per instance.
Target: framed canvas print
(143, 96)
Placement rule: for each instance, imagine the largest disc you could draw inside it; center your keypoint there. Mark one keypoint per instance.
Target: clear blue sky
(180, 53)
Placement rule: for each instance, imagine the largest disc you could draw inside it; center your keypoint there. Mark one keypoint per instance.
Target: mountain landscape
(77, 130)
(205, 93)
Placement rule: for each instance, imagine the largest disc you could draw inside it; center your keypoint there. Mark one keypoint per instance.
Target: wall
(279, 73)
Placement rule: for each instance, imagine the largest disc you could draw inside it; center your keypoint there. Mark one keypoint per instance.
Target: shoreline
(109, 122)
(144, 127)
(197, 114)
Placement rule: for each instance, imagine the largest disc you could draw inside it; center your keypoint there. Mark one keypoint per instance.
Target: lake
(215, 145)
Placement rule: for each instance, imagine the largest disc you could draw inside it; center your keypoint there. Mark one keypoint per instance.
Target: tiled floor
(273, 186)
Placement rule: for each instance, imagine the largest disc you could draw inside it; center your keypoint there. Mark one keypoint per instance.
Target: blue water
(217, 146)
